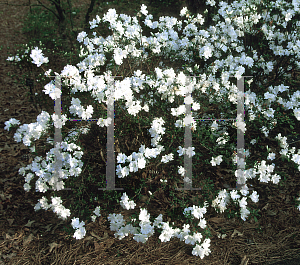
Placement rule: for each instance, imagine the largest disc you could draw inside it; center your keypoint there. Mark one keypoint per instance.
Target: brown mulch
(29, 237)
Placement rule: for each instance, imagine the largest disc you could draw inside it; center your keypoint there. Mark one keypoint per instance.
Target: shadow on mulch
(288, 262)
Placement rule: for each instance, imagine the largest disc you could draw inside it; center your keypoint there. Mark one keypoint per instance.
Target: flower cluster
(117, 224)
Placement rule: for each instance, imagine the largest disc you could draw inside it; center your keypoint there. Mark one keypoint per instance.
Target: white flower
(234, 195)
(183, 11)
(210, 2)
(97, 211)
(202, 250)
(254, 196)
(271, 156)
(10, 122)
(207, 52)
(144, 216)
(144, 10)
(81, 36)
(11, 59)
(38, 57)
(216, 161)
(52, 91)
(80, 233)
(202, 223)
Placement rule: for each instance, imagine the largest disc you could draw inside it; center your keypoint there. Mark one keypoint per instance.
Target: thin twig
(48, 9)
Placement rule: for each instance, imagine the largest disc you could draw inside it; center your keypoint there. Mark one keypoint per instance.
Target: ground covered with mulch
(29, 237)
